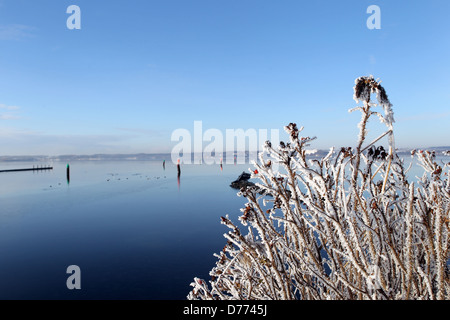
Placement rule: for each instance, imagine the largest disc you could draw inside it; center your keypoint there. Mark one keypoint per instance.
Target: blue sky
(138, 70)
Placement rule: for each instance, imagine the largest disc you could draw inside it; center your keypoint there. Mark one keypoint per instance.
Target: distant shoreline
(156, 156)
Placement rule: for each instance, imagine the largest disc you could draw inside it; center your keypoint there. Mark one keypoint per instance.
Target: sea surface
(134, 230)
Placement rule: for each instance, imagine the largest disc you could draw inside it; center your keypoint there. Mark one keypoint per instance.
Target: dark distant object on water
(68, 173)
(164, 164)
(242, 181)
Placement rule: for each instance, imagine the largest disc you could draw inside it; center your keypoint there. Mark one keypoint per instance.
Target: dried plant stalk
(330, 229)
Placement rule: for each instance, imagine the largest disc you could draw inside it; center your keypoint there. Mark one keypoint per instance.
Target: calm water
(134, 231)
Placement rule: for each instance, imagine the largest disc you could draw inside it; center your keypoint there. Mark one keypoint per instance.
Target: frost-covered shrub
(348, 226)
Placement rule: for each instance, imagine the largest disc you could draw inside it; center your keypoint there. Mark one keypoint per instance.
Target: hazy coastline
(163, 156)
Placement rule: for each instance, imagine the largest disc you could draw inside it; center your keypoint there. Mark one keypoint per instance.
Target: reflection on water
(68, 174)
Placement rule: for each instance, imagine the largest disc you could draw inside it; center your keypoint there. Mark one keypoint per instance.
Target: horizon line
(169, 153)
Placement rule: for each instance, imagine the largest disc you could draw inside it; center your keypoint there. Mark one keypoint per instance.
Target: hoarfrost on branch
(348, 226)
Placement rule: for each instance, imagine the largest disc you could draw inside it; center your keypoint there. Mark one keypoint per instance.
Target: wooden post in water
(68, 173)
(179, 173)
